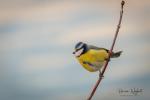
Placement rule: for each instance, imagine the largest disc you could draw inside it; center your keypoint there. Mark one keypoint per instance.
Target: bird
(91, 57)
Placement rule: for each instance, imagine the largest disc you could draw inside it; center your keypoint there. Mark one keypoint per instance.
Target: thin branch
(110, 52)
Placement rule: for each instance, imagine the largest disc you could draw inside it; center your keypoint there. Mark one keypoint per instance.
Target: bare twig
(110, 52)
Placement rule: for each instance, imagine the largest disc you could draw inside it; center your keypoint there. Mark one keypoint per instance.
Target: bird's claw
(107, 59)
(101, 76)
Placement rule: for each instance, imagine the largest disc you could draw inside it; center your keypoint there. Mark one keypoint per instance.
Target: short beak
(73, 52)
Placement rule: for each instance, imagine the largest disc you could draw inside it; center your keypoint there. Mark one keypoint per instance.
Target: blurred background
(37, 38)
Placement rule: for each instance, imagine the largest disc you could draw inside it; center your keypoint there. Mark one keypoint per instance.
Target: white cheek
(79, 52)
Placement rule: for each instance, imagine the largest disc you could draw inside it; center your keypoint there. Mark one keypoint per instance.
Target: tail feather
(116, 54)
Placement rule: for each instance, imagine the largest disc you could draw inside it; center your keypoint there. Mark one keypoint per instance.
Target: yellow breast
(93, 56)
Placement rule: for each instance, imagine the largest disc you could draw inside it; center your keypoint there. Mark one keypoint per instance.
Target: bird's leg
(100, 74)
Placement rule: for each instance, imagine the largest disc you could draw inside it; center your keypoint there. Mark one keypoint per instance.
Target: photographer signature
(130, 92)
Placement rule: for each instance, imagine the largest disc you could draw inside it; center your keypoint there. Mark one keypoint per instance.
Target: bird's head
(80, 48)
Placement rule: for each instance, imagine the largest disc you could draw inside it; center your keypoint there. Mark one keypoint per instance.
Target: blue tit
(92, 58)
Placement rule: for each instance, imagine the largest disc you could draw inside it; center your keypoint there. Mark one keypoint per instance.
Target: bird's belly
(95, 60)
(91, 64)
(92, 68)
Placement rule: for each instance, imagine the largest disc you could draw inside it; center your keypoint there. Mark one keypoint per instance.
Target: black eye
(79, 48)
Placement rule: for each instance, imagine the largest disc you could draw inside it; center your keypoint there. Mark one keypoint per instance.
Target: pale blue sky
(37, 39)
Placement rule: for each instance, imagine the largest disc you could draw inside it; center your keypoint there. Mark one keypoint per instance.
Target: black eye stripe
(79, 49)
